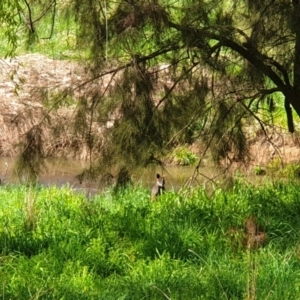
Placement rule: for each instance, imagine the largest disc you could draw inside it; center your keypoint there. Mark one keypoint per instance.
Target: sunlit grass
(56, 244)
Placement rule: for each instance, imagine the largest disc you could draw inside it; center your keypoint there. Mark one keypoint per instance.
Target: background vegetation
(215, 72)
(159, 76)
(239, 244)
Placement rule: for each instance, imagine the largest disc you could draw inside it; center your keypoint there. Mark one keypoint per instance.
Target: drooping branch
(254, 58)
(250, 54)
(295, 22)
(258, 60)
(52, 19)
(29, 21)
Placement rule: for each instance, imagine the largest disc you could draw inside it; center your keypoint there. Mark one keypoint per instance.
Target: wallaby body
(159, 186)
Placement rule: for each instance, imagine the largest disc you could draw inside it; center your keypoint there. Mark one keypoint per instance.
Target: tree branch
(29, 21)
(250, 54)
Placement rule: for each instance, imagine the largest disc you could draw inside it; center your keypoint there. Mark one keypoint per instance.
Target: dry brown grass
(31, 85)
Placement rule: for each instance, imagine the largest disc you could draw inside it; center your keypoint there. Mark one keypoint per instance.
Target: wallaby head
(159, 186)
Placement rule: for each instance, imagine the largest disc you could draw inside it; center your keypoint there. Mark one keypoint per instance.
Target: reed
(188, 245)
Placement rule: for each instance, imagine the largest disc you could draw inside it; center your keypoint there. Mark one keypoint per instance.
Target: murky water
(61, 172)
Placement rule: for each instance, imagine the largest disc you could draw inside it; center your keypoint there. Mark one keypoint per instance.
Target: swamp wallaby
(159, 186)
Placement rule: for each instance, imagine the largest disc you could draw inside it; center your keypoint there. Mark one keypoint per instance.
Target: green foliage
(290, 170)
(259, 170)
(183, 156)
(275, 164)
(56, 244)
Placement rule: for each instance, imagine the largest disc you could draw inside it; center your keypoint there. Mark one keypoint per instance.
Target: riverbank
(239, 244)
(29, 82)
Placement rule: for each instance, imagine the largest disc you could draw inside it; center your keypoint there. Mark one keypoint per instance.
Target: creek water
(64, 173)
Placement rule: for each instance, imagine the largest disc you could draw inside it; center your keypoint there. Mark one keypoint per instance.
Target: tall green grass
(57, 245)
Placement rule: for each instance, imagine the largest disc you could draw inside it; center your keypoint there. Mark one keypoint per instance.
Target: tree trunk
(293, 95)
(292, 98)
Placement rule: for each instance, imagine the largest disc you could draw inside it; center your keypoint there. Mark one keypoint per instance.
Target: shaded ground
(27, 82)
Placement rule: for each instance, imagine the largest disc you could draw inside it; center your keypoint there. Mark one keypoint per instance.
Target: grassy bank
(56, 245)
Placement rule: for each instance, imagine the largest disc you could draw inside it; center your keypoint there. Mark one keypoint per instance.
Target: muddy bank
(31, 86)
(28, 85)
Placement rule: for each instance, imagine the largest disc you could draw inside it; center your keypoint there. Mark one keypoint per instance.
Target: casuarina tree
(164, 73)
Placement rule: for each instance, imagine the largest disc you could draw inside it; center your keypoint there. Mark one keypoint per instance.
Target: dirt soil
(27, 82)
